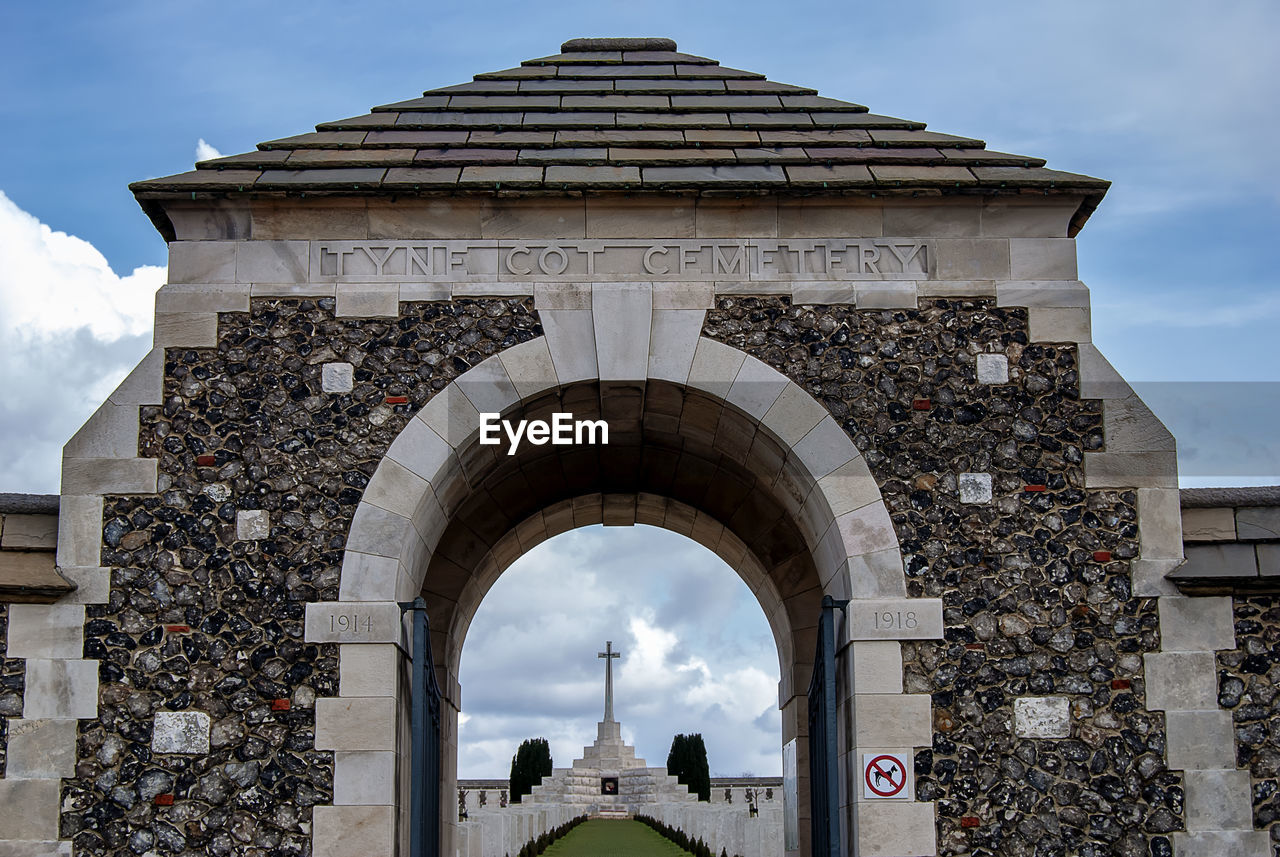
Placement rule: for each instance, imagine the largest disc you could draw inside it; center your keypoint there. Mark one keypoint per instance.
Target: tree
(529, 765)
(687, 762)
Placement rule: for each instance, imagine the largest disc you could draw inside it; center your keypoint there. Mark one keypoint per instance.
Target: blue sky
(1174, 102)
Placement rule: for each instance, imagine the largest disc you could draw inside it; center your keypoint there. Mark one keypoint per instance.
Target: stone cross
(608, 654)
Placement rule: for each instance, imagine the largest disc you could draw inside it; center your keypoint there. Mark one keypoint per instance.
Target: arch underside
(677, 458)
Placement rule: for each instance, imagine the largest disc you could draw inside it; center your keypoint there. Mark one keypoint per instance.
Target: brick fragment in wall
(1028, 611)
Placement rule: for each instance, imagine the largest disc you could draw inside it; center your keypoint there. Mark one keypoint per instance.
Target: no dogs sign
(884, 776)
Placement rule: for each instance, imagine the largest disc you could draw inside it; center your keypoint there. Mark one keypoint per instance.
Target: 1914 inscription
(614, 261)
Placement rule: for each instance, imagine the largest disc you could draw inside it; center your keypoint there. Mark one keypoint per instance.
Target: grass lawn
(602, 837)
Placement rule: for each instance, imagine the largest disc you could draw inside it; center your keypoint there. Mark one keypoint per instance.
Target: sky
(1173, 102)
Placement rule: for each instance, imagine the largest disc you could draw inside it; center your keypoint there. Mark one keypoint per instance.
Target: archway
(734, 455)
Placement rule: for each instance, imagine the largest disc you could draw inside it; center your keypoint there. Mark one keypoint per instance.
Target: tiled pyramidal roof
(622, 114)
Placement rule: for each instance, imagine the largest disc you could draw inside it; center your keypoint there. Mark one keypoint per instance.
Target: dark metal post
(424, 741)
(824, 782)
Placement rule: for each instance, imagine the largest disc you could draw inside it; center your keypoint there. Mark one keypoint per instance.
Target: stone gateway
(848, 354)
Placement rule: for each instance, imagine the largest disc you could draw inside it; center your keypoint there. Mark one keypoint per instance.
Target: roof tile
(616, 102)
(426, 102)
(822, 176)
(673, 120)
(301, 158)
(501, 175)
(564, 156)
(458, 119)
(670, 85)
(410, 177)
(344, 176)
(584, 175)
(898, 173)
(517, 139)
(557, 85)
(713, 175)
(607, 71)
(607, 137)
(519, 101)
(433, 157)
(318, 140)
(669, 156)
(414, 138)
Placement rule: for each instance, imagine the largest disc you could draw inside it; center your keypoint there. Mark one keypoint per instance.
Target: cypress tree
(687, 762)
(529, 765)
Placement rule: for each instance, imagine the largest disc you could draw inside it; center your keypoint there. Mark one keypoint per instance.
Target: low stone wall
(727, 827)
(503, 831)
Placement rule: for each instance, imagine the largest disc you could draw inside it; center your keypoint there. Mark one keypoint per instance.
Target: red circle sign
(885, 776)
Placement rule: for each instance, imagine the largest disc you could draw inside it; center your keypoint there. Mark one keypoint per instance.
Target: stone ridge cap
(1209, 498)
(28, 504)
(617, 44)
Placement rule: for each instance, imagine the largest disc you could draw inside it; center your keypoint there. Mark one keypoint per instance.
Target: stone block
(1042, 259)
(971, 259)
(975, 487)
(756, 387)
(1268, 560)
(876, 665)
(894, 618)
(892, 720)
(1059, 324)
(867, 530)
(337, 378)
(1042, 717)
(1217, 843)
(328, 218)
(367, 723)
(395, 488)
(793, 415)
(715, 366)
(353, 831)
(1159, 523)
(60, 689)
(824, 449)
(302, 290)
(367, 577)
(79, 530)
(85, 476)
(1218, 800)
(561, 296)
(683, 296)
(202, 261)
(1098, 378)
(533, 218)
(1231, 561)
(1181, 681)
(30, 532)
(112, 432)
(850, 486)
(35, 848)
(202, 297)
(670, 217)
(874, 575)
(622, 313)
(363, 622)
(1157, 469)
(815, 217)
(41, 749)
(30, 809)
(673, 340)
(185, 330)
(368, 670)
(420, 449)
(181, 732)
(93, 584)
(272, 262)
(364, 778)
(993, 369)
(1208, 525)
(425, 292)
(1199, 740)
(571, 338)
(1261, 522)
(46, 631)
(1200, 624)
(824, 294)
(885, 295)
(529, 367)
(1129, 426)
(438, 217)
(1042, 293)
(1150, 577)
(1019, 219)
(487, 386)
(450, 415)
(368, 301)
(934, 219)
(755, 217)
(253, 524)
(895, 828)
(144, 385)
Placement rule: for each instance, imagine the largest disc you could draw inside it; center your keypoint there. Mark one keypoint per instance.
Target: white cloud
(205, 152)
(70, 330)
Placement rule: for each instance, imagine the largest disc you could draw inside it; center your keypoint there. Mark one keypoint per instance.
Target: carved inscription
(354, 622)
(606, 261)
(895, 619)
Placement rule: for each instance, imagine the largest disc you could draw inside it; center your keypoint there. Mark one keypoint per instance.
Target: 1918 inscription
(895, 619)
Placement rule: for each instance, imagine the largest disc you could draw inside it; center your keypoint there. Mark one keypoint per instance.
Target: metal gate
(824, 785)
(424, 741)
